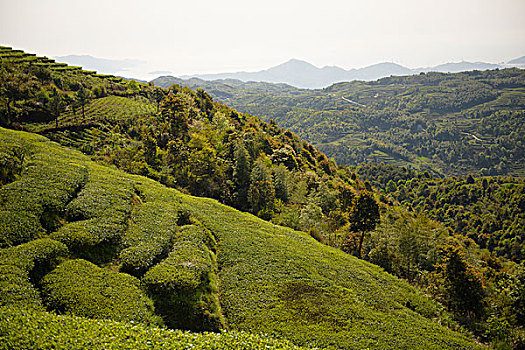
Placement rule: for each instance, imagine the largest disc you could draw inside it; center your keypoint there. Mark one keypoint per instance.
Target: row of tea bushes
(184, 285)
(33, 205)
(25, 329)
(98, 216)
(81, 288)
(26, 263)
(149, 238)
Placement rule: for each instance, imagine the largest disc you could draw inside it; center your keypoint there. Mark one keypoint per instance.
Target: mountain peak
(294, 62)
(520, 60)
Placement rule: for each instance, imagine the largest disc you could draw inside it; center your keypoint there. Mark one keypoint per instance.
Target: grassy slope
(279, 281)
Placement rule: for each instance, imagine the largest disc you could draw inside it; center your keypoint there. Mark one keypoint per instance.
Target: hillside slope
(449, 124)
(160, 248)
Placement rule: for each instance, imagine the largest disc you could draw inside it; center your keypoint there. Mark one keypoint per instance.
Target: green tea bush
(27, 329)
(18, 227)
(35, 258)
(16, 290)
(96, 239)
(34, 204)
(105, 195)
(149, 237)
(81, 288)
(11, 161)
(99, 216)
(199, 236)
(184, 286)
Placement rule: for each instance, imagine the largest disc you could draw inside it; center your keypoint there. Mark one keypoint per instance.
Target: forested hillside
(448, 124)
(133, 232)
(490, 210)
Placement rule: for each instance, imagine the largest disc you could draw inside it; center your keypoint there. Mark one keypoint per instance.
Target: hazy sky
(206, 36)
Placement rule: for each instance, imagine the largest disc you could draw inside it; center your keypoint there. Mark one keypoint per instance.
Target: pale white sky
(207, 36)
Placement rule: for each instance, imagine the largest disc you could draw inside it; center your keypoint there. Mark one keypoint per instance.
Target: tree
(150, 148)
(178, 155)
(82, 97)
(133, 87)
(99, 91)
(12, 88)
(325, 198)
(456, 283)
(518, 294)
(310, 218)
(158, 96)
(43, 74)
(174, 110)
(261, 194)
(203, 163)
(346, 196)
(363, 216)
(281, 181)
(204, 101)
(69, 102)
(56, 106)
(241, 175)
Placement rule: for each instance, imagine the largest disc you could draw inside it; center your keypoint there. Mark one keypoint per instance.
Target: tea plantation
(92, 257)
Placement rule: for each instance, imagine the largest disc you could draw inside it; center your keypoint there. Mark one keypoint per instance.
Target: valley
(422, 122)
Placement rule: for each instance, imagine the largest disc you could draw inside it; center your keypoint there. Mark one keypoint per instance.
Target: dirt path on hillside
(474, 136)
(353, 102)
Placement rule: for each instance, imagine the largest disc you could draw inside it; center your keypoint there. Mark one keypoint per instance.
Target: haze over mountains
(294, 72)
(101, 65)
(305, 75)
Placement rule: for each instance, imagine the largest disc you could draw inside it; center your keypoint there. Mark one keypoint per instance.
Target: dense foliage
(450, 124)
(78, 287)
(490, 210)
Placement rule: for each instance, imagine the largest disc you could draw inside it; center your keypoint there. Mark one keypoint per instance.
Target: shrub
(25, 329)
(149, 236)
(18, 227)
(184, 286)
(35, 258)
(81, 288)
(11, 161)
(104, 195)
(34, 203)
(96, 239)
(99, 91)
(16, 290)
(198, 235)
(102, 209)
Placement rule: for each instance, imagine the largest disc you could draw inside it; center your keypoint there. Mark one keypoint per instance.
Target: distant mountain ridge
(295, 72)
(302, 74)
